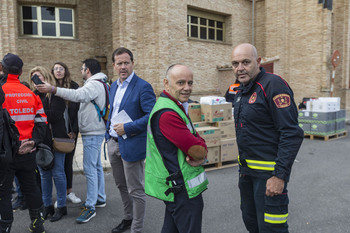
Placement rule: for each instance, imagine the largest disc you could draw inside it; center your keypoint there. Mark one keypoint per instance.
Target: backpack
(103, 114)
(9, 138)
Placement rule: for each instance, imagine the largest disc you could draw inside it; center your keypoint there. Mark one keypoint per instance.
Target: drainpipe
(253, 13)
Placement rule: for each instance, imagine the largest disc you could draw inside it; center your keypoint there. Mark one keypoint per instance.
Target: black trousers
(24, 167)
(68, 167)
(260, 213)
(184, 215)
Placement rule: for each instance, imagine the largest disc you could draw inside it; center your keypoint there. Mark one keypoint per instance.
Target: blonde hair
(45, 73)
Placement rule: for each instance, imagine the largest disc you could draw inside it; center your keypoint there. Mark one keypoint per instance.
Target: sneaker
(83, 206)
(100, 204)
(73, 198)
(85, 215)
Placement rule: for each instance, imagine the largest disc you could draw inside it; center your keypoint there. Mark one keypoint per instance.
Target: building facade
(296, 38)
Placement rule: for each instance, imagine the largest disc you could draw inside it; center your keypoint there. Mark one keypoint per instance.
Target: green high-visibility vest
(195, 179)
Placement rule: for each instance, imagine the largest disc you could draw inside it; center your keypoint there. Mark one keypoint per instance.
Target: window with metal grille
(205, 26)
(47, 21)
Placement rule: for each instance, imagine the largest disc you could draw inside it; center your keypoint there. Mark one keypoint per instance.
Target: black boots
(48, 210)
(37, 217)
(60, 211)
(5, 226)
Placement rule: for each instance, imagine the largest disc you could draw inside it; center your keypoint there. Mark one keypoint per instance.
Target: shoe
(123, 226)
(37, 224)
(85, 215)
(19, 203)
(73, 198)
(83, 206)
(59, 214)
(100, 204)
(48, 210)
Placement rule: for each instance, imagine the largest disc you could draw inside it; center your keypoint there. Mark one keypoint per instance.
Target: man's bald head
(245, 62)
(178, 82)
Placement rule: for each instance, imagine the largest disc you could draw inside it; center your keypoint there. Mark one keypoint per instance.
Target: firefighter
(26, 109)
(268, 139)
(231, 92)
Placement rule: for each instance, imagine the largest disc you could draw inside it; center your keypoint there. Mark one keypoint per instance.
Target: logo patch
(282, 100)
(252, 98)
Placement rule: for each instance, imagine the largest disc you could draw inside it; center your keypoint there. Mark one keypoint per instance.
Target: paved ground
(318, 190)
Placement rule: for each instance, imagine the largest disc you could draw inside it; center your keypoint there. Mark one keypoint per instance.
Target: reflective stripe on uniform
(261, 165)
(23, 117)
(239, 160)
(275, 218)
(194, 182)
(40, 111)
(40, 119)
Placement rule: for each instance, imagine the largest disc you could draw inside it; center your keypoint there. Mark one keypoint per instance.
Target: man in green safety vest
(174, 155)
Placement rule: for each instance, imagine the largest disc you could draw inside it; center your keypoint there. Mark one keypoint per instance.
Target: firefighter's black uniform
(268, 138)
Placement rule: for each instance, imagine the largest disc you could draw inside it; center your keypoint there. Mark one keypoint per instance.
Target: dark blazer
(138, 102)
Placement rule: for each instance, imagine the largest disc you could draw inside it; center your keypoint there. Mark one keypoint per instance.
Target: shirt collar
(185, 105)
(128, 80)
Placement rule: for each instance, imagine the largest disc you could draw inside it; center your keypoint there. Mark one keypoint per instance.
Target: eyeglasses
(58, 69)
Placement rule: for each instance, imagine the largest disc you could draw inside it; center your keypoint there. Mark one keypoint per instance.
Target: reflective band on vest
(40, 119)
(23, 117)
(261, 165)
(276, 218)
(40, 111)
(194, 182)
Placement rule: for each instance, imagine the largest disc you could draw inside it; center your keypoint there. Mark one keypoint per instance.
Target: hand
(195, 163)
(119, 128)
(274, 186)
(26, 147)
(44, 88)
(72, 135)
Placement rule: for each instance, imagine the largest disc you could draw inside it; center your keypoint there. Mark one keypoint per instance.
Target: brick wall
(300, 35)
(157, 34)
(93, 30)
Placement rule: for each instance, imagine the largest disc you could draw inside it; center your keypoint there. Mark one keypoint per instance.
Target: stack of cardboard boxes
(214, 123)
(322, 117)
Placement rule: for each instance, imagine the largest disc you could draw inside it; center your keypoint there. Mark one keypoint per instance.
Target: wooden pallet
(328, 137)
(220, 165)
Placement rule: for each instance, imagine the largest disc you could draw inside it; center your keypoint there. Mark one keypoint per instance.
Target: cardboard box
(213, 155)
(211, 135)
(227, 128)
(229, 150)
(200, 124)
(325, 104)
(214, 113)
(194, 111)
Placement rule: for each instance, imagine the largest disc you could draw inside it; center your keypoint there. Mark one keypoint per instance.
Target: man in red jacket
(27, 111)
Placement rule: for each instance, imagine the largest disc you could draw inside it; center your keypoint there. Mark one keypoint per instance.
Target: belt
(115, 139)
